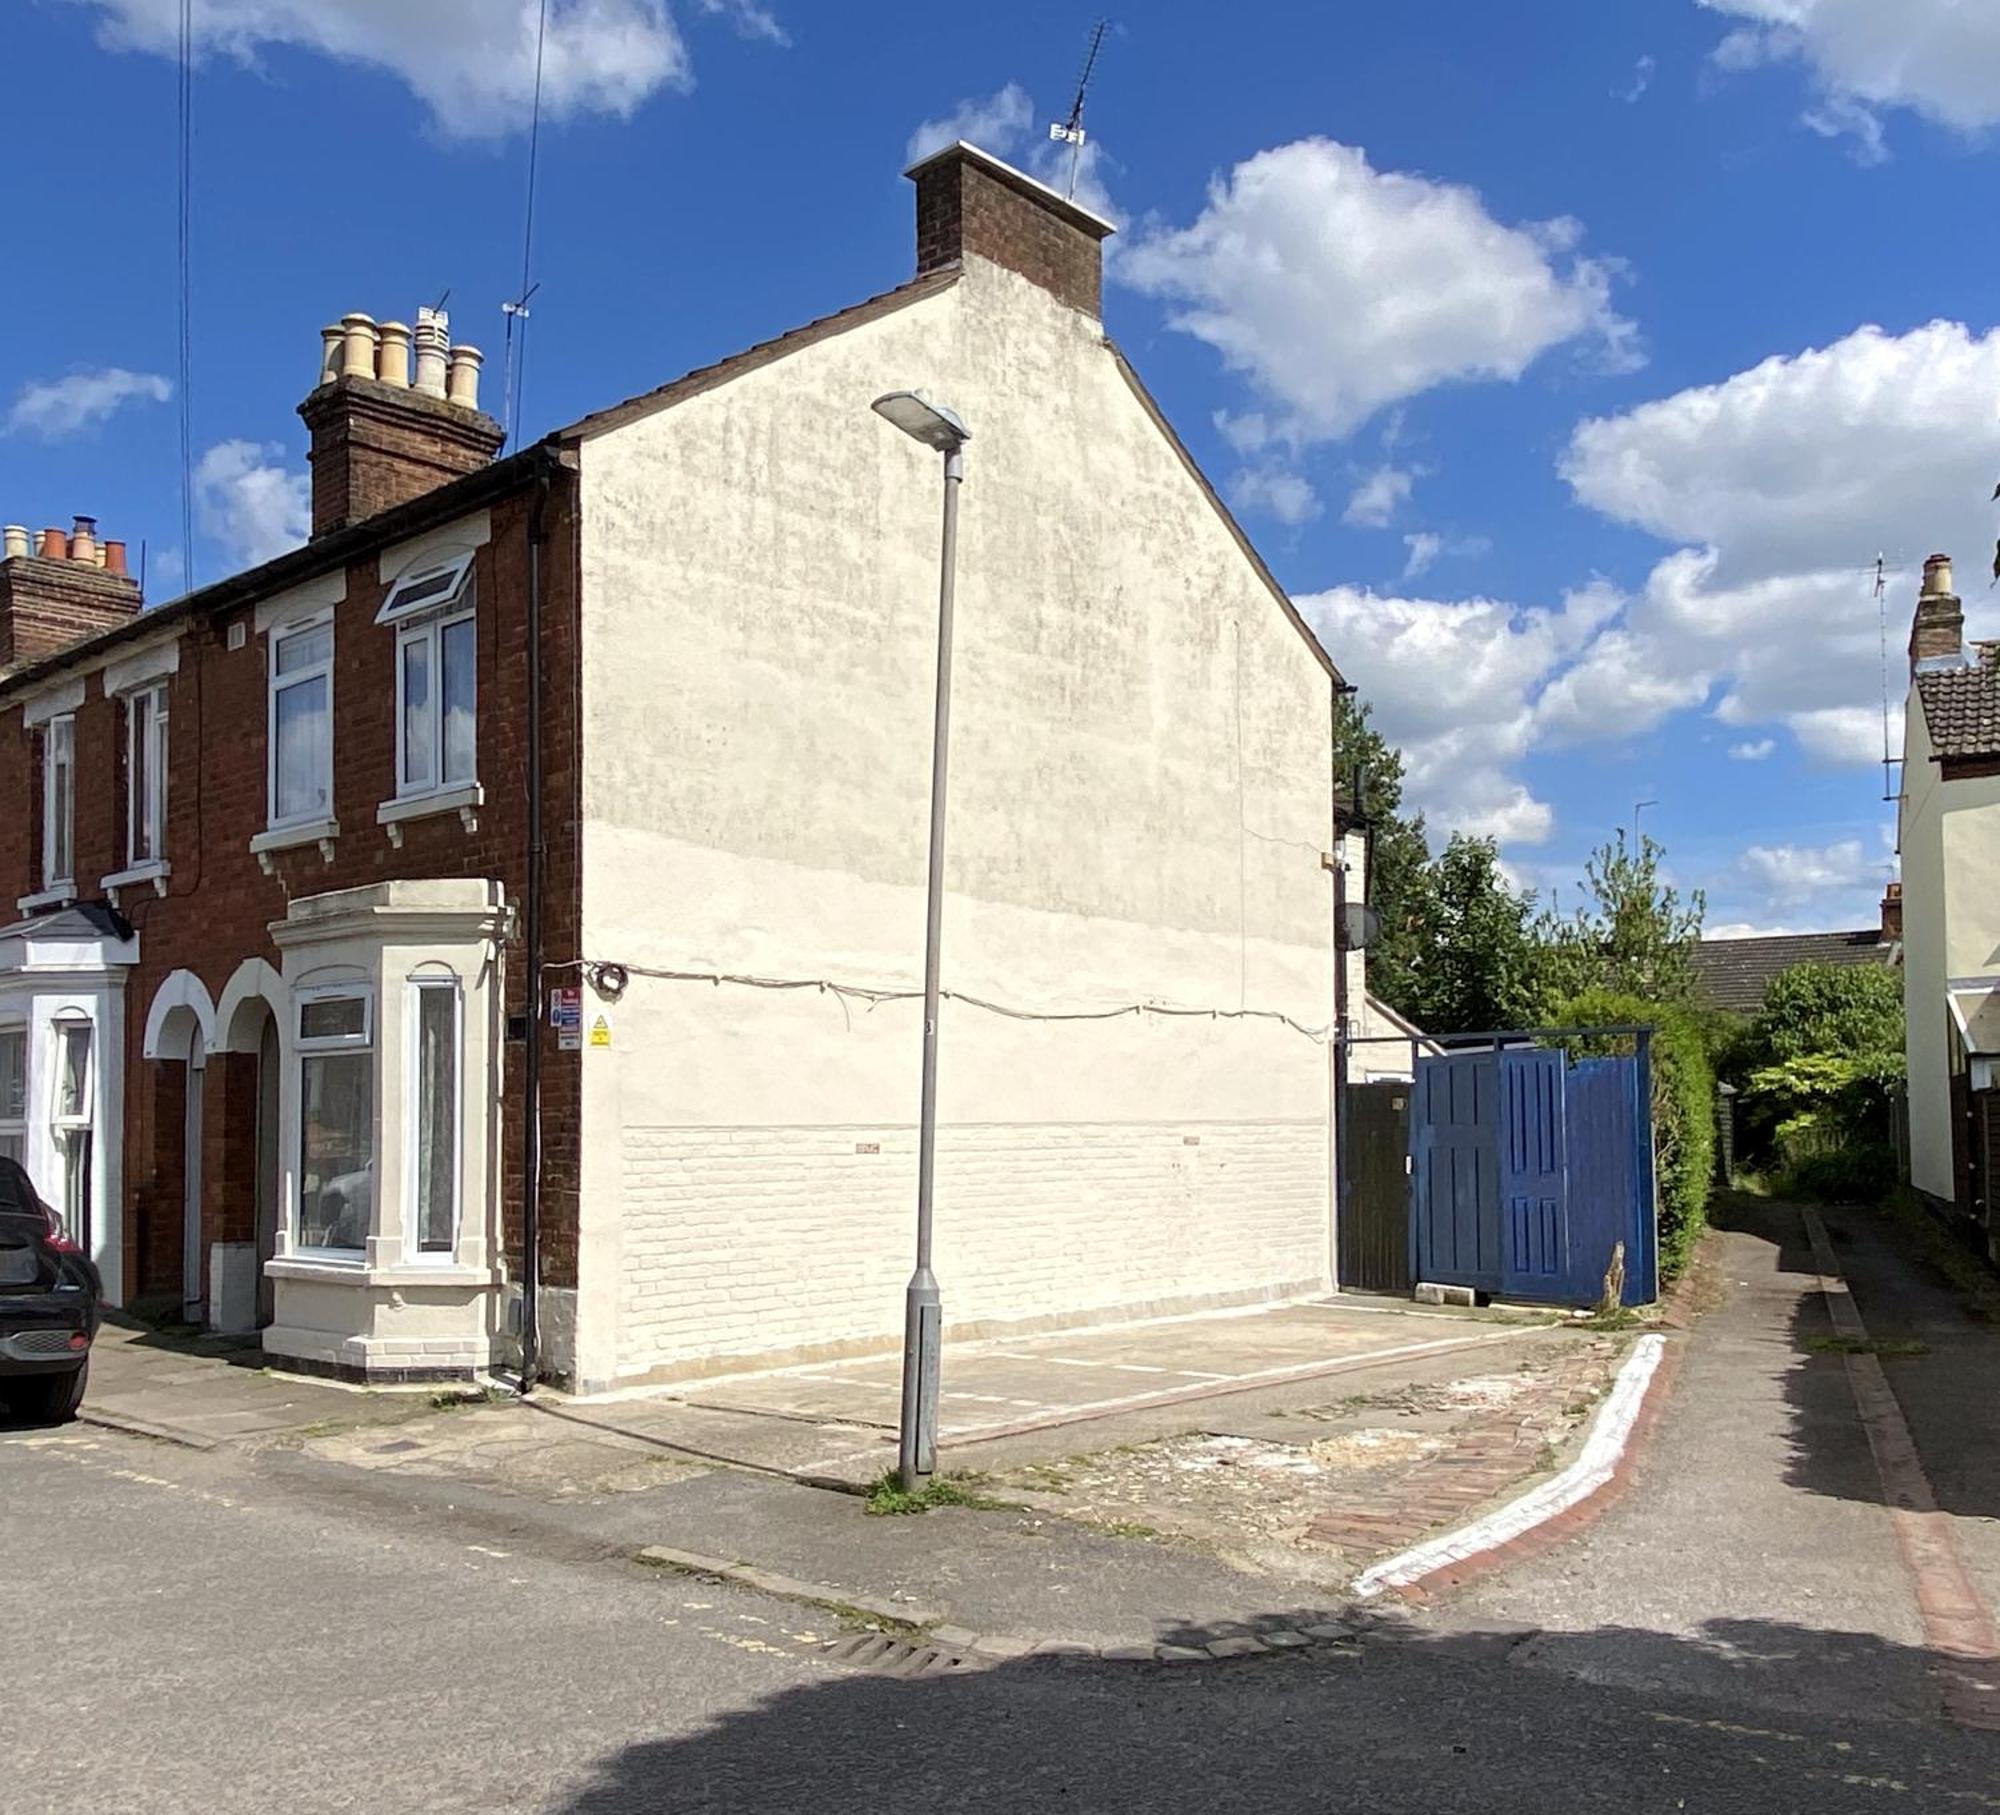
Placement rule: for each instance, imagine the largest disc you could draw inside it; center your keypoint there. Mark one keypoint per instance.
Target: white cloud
(1642, 79)
(472, 62)
(1753, 750)
(1789, 875)
(53, 409)
(1782, 482)
(1938, 58)
(249, 503)
(1454, 685)
(1746, 929)
(1335, 289)
(1425, 547)
(1376, 499)
(1275, 492)
(1005, 123)
(750, 20)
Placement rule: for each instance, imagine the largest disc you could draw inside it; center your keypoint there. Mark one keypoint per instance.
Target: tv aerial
(1070, 132)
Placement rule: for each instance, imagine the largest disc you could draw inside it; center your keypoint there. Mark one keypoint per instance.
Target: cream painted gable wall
(1140, 797)
(1951, 931)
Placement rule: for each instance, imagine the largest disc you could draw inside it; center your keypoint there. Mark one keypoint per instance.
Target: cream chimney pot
(392, 362)
(463, 381)
(16, 535)
(1937, 577)
(358, 338)
(83, 540)
(433, 338)
(330, 338)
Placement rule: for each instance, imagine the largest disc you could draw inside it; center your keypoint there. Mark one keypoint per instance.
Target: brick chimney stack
(1892, 913)
(59, 589)
(970, 202)
(378, 439)
(1937, 635)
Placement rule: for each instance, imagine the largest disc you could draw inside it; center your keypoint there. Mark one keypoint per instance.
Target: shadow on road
(1397, 1721)
(1942, 1364)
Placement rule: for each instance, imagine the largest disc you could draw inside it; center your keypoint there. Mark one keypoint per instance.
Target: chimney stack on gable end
(1937, 634)
(968, 201)
(381, 435)
(59, 590)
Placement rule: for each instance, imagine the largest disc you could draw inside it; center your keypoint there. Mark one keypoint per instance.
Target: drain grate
(880, 1655)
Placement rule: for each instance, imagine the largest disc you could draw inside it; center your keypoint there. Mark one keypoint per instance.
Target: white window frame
(81, 1120)
(60, 731)
(310, 1046)
(276, 684)
(440, 983)
(14, 1118)
(146, 815)
(445, 597)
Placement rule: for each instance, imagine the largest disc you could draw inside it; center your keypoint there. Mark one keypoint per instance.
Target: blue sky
(1570, 362)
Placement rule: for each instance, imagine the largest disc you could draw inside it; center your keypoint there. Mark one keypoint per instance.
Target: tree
(1478, 964)
(1635, 936)
(1398, 852)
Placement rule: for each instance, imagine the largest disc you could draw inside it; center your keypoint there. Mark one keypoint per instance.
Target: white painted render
(1140, 800)
(1950, 835)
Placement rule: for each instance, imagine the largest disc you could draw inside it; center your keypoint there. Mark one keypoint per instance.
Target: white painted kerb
(1583, 1477)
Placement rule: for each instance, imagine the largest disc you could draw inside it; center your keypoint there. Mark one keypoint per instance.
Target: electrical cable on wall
(603, 972)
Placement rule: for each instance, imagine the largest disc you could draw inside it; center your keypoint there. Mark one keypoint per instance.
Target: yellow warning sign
(600, 1032)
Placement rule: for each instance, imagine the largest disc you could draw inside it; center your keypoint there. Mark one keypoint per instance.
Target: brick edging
(1559, 1527)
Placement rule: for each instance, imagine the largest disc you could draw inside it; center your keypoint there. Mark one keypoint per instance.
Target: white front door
(193, 1288)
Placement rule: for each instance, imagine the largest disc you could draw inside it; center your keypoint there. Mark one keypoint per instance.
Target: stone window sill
(358, 1273)
(463, 798)
(321, 832)
(60, 896)
(155, 872)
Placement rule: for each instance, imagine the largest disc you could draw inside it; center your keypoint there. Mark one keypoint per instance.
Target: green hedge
(1683, 1105)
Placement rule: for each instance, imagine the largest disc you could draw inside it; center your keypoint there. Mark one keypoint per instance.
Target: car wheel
(50, 1398)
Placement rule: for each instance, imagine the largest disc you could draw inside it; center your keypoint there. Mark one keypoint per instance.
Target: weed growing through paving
(887, 1497)
(1885, 1348)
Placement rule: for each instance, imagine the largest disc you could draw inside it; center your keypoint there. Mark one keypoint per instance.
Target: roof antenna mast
(1070, 131)
(1889, 791)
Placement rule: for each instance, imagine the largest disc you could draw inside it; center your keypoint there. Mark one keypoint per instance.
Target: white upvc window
(437, 688)
(435, 1127)
(70, 1124)
(300, 734)
(335, 1207)
(59, 803)
(14, 1092)
(145, 776)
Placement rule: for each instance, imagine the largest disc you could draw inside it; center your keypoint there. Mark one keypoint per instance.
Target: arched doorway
(180, 1026)
(249, 1023)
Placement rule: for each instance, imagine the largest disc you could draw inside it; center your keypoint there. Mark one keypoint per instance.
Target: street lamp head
(922, 420)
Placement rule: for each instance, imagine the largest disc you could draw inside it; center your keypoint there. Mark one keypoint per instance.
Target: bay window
(59, 803)
(301, 724)
(146, 776)
(336, 1159)
(69, 1125)
(14, 1093)
(434, 1163)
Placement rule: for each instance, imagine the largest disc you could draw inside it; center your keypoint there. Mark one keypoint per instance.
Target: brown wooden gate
(1375, 1212)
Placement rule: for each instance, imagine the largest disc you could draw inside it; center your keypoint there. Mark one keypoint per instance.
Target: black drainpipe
(531, 1116)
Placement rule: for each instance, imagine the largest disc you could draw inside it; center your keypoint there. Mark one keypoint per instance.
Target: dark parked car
(49, 1293)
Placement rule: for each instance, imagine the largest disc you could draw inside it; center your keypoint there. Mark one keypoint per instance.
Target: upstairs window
(59, 803)
(146, 776)
(301, 724)
(437, 688)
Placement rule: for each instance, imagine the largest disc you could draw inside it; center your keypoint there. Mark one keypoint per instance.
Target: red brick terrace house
(643, 712)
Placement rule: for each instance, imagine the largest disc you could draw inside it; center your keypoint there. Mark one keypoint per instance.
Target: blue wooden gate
(1527, 1169)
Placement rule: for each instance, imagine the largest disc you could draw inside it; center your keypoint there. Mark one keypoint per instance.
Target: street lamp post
(923, 1310)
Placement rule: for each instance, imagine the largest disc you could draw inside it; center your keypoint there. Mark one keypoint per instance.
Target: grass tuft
(887, 1498)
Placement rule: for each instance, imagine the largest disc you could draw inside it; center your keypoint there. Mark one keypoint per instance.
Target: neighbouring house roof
(1962, 705)
(1734, 973)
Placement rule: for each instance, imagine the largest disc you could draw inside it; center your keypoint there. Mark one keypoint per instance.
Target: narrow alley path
(1758, 1506)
